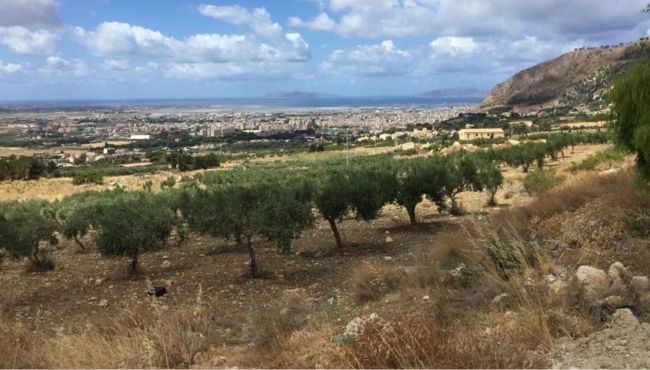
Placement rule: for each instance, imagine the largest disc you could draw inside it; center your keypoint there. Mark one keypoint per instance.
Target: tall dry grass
(136, 338)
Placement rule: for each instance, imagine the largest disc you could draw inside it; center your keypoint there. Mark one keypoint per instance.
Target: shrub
(169, 183)
(541, 180)
(609, 156)
(87, 177)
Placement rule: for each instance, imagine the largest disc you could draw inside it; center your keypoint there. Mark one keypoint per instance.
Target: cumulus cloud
(29, 13)
(116, 64)
(363, 61)
(405, 18)
(454, 45)
(25, 42)
(120, 40)
(58, 67)
(30, 27)
(10, 68)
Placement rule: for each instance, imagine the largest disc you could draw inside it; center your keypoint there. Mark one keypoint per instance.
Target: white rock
(426, 298)
(103, 303)
(550, 278)
(98, 282)
(593, 282)
(640, 283)
(330, 300)
(166, 264)
(389, 239)
(498, 299)
(387, 258)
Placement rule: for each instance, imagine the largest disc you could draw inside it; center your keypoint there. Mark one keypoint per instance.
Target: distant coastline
(298, 94)
(246, 104)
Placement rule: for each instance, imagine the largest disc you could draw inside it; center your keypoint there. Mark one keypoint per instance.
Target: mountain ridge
(577, 77)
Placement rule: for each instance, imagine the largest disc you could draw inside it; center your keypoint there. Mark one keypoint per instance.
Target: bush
(609, 156)
(87, 177)
(541, 180)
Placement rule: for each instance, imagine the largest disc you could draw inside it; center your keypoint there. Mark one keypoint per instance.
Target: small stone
(318, 254)
(103, 303)
(387, 258)
(166, 264)
(98, 282)
(164, 308)
(110, 287)
(168, 283)
(426, 297)
(389, 239)
(165, 257)
(330, 300)
(499, 299)
(560, 271)
(550, 278)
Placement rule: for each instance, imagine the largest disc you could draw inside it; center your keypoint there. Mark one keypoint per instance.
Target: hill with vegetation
(577, 77)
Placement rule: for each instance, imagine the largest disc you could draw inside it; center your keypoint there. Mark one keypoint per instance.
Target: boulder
(640, 283)
(593, 283)
(619, 275)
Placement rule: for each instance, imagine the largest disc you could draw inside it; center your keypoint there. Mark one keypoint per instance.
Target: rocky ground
(623, 345)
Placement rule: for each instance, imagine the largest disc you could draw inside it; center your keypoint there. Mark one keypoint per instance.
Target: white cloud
(454, 45)
(58, 67)
(29, 13)
(364, 61)
(26, 42)
(116, 64)
(10, 68)
(321, 23)
(406, 18)
(121, 40)
(259, 20)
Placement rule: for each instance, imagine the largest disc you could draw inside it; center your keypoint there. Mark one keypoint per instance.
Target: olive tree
(133, 223)
(419, 178)
(275, 212)
(362, 191)
(23, 226)
(460, 174)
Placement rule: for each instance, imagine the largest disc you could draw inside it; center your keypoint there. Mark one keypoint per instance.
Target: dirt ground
(215, 272)
(623, 345)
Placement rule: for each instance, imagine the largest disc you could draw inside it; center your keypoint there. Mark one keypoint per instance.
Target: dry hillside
(574, 78)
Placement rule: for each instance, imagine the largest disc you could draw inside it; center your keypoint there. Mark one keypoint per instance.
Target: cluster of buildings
(144, 123)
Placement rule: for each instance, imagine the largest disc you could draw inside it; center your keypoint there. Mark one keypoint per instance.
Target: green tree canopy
(630, 124)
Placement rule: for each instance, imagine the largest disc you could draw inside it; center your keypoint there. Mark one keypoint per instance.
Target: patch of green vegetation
(541, 180)
(610, 156)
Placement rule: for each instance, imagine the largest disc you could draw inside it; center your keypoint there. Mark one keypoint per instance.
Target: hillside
(577, 77)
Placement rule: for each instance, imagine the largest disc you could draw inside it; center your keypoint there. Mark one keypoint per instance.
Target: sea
(233, 103)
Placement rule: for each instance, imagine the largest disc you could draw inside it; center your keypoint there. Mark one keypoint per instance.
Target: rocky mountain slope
(577, 77)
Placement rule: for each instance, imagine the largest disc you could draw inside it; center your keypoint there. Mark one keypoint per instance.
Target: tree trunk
(492, 202)
(79, 243)
(411, 212)
(335, 230)
(525, 169)
(253, 260)
(238, 240)
(133, 266)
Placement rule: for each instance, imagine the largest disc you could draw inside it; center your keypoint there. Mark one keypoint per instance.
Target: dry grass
(374, 280)
(133, 339)
(424, 341)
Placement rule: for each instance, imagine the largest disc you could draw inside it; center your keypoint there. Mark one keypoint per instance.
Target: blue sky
(126, 49)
